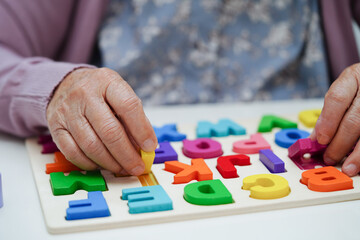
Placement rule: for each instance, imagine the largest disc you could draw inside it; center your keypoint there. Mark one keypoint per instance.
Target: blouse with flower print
(206, 51)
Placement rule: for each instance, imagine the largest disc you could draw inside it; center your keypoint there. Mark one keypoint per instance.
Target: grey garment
(186, 51)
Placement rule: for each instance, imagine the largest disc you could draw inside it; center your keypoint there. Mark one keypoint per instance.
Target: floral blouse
(206, 51)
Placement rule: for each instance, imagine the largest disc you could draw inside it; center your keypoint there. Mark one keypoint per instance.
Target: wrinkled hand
(96, 119)
(339, 122)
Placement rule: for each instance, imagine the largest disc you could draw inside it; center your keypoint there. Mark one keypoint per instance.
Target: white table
(21, 216)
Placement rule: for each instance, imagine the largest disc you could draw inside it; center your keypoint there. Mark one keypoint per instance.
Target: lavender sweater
(41, 41)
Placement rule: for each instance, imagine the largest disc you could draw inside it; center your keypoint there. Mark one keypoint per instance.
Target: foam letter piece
(148, 159)
(1, 197)
(198, 170)
(225, 164)
(93, 207)
(223, 128)
(268, 122)
(44, 139)
(148, 180)
(272, 162)
(202, 148)
(304, 146)
(169, 133)
(61, 164)
(326, 179)
(64, 185)
(165, 153)
(309, 117)
(49, 147)
(266, 186)
(147, 199)
(253, 145)
(287, 137)
(212, 192)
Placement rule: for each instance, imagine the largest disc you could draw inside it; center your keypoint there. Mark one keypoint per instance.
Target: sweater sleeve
(26, 85)
(32, 33)
(355, 7)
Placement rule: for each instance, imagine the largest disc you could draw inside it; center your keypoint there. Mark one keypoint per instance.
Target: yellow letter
(148, 159)
(266, 186)
(309, 117)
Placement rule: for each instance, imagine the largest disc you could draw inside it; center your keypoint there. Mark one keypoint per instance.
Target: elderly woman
(171, 52)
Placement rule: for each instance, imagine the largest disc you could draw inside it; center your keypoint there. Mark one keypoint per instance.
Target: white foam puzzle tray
(283, 190)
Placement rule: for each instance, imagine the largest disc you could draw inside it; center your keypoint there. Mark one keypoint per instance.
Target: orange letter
(326, 179)
(198, 170)
(61, 164)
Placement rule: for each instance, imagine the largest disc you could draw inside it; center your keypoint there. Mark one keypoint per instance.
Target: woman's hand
(96, 119)
(339, 122)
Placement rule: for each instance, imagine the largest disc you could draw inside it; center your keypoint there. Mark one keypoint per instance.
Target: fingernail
(137, 170)
(329, 161)
(148, 145)
(350, 169)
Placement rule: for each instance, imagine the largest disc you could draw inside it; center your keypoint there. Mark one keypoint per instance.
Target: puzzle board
(54, 207)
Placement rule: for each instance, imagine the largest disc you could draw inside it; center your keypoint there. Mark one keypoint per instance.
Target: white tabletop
(21, 216)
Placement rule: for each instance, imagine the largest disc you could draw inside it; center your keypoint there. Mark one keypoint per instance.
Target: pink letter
(253, 145)
(202, 148)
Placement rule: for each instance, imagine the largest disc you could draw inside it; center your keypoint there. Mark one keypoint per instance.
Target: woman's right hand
(96, 119)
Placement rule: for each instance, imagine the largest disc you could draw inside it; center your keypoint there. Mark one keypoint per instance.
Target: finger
(337, 100)
(91, 144)
(131, 138)
(123, 173)
(351, 166)
(347, 135)
(67, 145)
(114, 136)
(128, 107)
(313, 135)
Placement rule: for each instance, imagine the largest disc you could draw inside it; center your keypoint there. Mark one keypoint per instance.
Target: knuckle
(62, 109)
(55, 131)
(354, 69)
(56, 111)
(110, 132)
(350, 73)
(92, 146)
(58, 133)
(352, 122)
(335, 96)
(78, 127)
(80, 91)
(108, 74)
(131, 104)
(117, 139)
(52, 122)
(349, 70)
(105, 70)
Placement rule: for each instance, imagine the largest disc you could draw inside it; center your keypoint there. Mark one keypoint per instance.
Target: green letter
(210, 192)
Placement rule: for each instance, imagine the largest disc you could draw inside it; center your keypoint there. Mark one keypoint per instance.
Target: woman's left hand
(339, 122)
